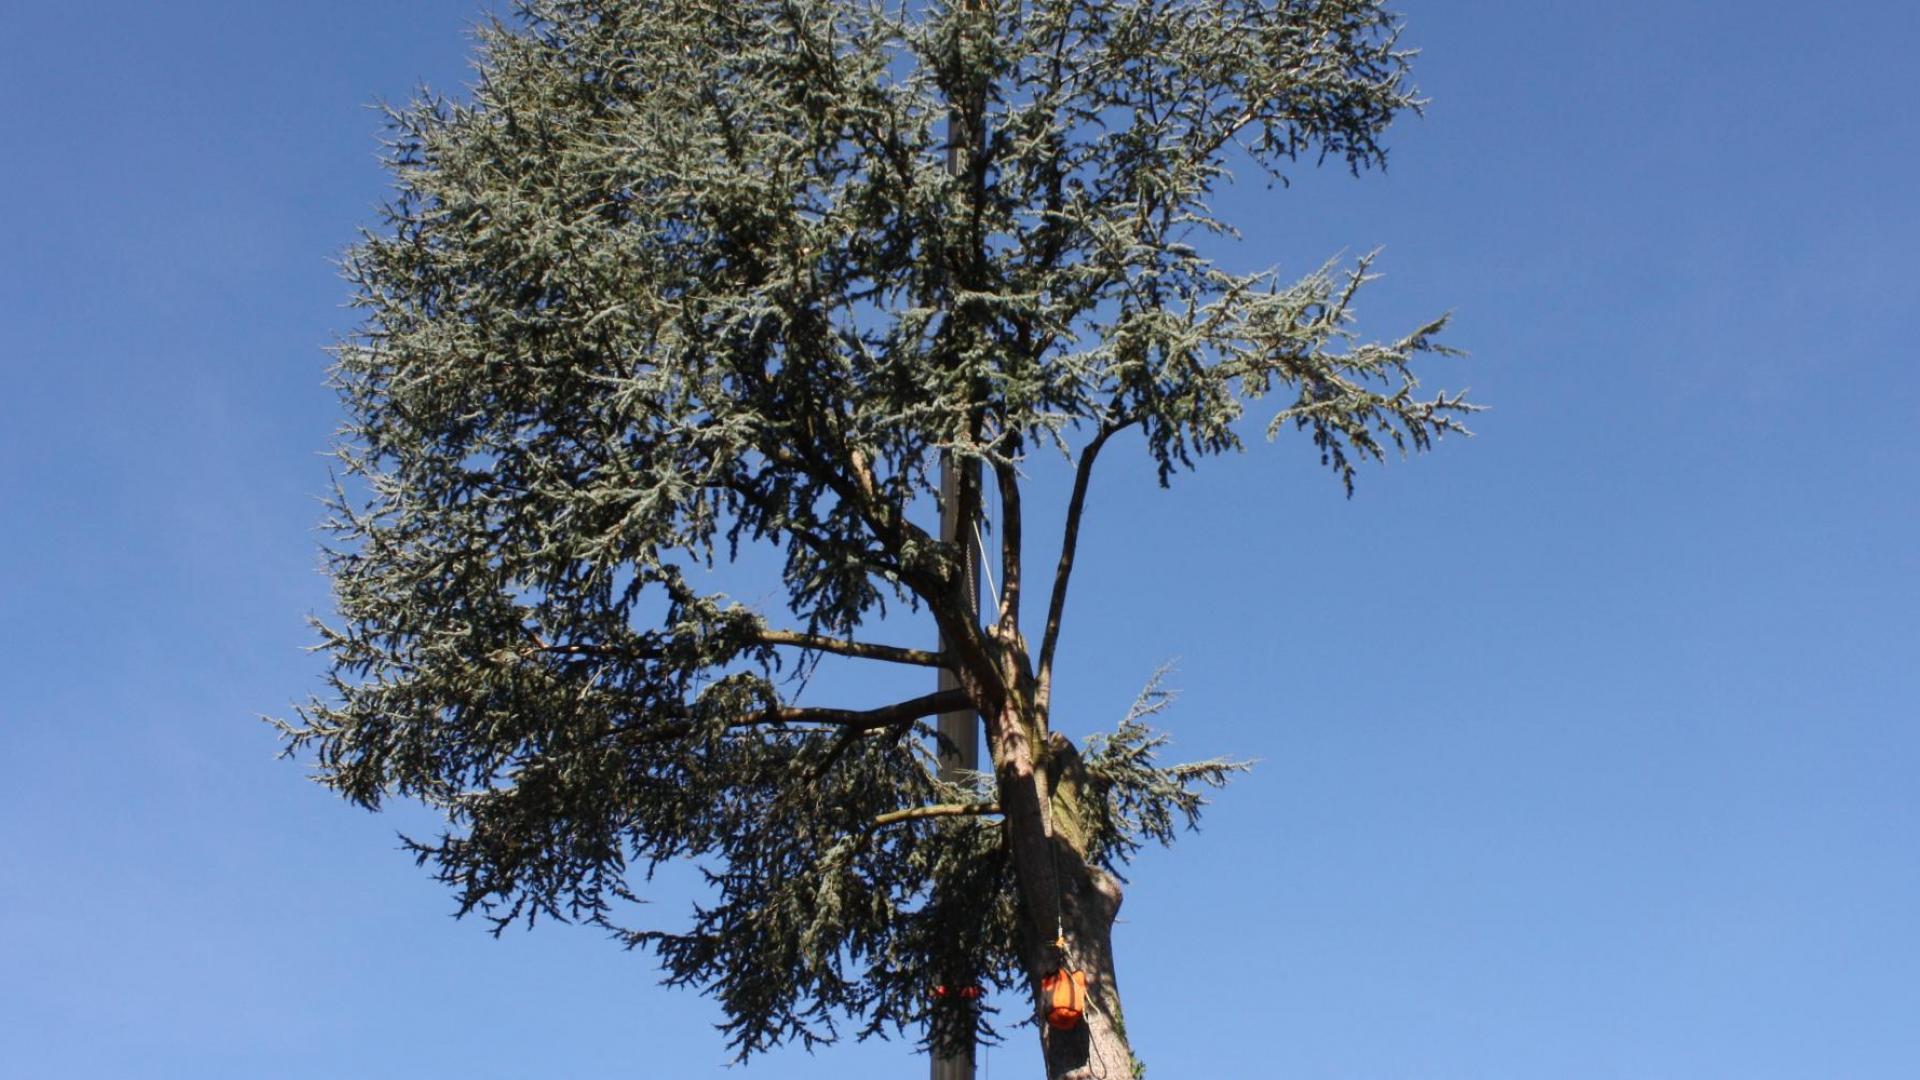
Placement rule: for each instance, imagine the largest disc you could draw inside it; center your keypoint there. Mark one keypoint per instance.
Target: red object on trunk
(966, 993)
(1066, 998)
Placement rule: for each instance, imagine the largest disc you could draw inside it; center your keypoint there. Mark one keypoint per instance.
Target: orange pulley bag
(1066, 998)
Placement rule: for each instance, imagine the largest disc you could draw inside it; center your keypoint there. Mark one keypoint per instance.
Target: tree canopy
(685, 278)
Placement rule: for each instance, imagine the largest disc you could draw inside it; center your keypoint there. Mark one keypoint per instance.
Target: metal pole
(959, 729)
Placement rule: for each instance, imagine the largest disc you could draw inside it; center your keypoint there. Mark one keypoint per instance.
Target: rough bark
(1097, 1048)
(1062, 896)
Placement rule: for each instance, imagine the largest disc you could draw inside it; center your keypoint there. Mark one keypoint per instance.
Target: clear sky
(1588, 746)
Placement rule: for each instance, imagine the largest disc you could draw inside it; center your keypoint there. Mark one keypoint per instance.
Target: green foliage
(1136, 799)
(692, 276)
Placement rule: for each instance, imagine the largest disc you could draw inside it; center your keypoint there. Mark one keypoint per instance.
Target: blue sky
(1587, 746)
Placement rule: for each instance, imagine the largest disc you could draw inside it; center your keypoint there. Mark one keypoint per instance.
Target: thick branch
(863, 719)
(862, 649)
(957, 612)
(815, 642)
(1069, 541)
(943, 810)
(851, 722)
(1009, 483)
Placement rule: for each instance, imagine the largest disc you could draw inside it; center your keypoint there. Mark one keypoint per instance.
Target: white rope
(980, 552)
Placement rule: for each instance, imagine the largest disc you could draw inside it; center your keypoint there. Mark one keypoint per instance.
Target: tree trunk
(1096, 1048)
(1040, 785)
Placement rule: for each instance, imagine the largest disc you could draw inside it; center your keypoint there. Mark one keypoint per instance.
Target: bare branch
(851, 722)
(943, 810)
(815, 642)
(1070, 539)
(863, 719)
(1009, 484)
(861, 649)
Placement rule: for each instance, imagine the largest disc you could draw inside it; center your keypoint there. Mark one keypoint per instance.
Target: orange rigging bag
(1066, 998)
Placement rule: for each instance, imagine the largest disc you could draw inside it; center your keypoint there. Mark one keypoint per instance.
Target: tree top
(690, 275)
